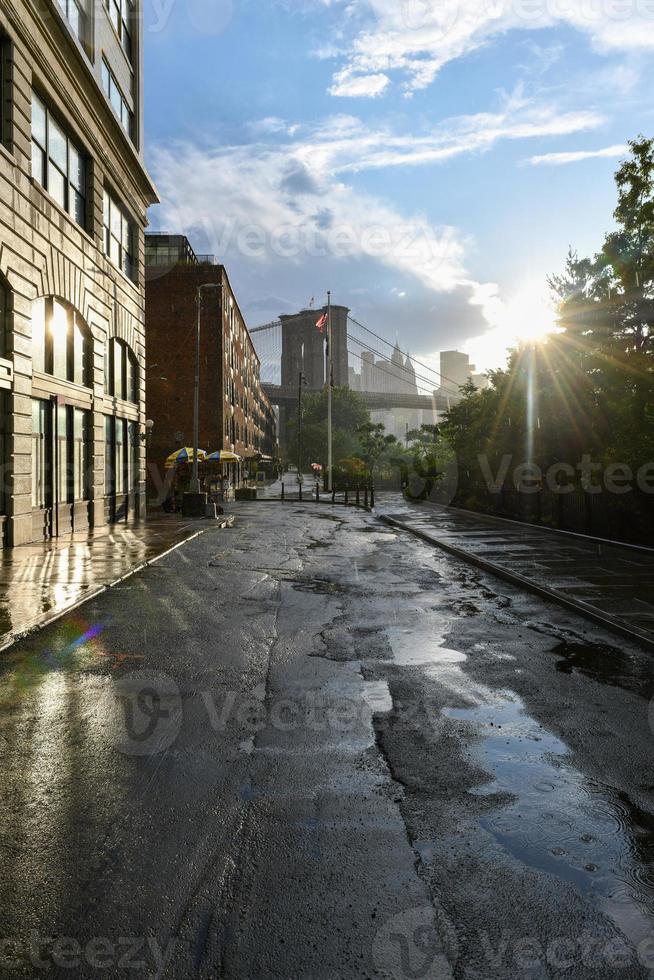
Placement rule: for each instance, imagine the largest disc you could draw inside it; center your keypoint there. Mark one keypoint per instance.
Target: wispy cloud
(576, 156)
(344, 144)
(416, 38)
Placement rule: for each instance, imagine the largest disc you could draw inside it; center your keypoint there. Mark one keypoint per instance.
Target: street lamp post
(301, 381)
(195, 479)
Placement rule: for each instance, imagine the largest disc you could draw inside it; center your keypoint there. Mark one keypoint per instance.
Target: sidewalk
(613, 584)
(40, 581)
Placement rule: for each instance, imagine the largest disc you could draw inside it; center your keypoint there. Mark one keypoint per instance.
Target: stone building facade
(73, 200)
(235, 413)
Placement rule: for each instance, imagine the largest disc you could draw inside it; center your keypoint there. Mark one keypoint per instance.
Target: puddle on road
(421, 647)
(561, 823)
(378, 697)
(608, 665)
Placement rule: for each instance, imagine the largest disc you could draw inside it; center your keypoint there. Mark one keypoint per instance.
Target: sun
(529, 315)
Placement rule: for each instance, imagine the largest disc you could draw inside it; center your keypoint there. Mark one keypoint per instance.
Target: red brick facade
(235, 413)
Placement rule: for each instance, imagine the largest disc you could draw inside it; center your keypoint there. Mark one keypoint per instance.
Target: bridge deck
(375, 400)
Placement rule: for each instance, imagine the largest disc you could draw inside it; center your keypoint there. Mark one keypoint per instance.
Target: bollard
(372, 498)
(345, 501)
(358, 498)
(317, 493)
(365, 498)
(282, 491)
(300, 491)
(333, 496)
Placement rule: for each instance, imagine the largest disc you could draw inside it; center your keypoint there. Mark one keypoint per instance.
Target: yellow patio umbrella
(184, 455)
(224, 456)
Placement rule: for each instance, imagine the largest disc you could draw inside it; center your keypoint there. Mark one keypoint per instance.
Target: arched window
(61, 341)
(121, 371)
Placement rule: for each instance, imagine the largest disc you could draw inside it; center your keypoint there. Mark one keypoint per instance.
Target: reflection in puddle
(420, 647)
(562, 824)
(377, 697)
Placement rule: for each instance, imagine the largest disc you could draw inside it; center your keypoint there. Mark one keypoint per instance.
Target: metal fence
(625, 517)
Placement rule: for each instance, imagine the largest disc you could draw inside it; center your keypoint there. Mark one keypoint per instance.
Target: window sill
(62, 211)
(133, 283)
(119, 42)
(4, 152)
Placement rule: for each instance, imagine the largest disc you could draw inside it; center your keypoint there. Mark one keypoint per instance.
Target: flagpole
(330, 384)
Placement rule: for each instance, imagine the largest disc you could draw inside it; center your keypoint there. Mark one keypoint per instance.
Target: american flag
(322, 323)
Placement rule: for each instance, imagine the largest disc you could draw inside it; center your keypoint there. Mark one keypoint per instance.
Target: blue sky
(429, 162)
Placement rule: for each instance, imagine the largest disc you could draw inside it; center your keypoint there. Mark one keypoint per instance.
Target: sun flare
(529, 315)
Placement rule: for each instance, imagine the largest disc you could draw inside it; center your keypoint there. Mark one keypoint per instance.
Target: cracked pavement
(310, 746)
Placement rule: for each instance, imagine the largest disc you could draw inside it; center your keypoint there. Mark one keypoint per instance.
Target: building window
(40, 435)
(109, 455)
(81, 454)
(118, 101)
(119, 236)
(134, 455)
(61, 341)
(4, 318)
(57, 162)
(5, 491)
(75, 14)
(121, 13)
(6, 100)
(122, 456)
(121, 371)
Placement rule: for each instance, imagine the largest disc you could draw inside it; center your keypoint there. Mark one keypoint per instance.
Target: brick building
(73, 200)
(235, 414)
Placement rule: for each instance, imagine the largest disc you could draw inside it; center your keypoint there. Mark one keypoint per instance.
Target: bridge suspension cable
(401, 367)
(414, 359)
(429, 392)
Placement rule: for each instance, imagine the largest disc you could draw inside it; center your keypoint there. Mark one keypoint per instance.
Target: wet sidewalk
(40, 581)
(612, 583)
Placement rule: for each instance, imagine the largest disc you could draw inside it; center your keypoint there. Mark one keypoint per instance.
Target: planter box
(246, 493)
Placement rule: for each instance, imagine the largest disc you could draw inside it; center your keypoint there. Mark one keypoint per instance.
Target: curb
(574, 605)
(591, 538)
(47, 620)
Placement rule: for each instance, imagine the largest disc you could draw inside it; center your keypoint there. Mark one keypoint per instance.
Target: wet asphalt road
(313, 747)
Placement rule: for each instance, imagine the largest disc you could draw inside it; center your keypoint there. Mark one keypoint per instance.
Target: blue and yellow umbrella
(184, 455)
(223, 456)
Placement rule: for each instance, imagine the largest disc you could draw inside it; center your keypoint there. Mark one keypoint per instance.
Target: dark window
(134, 457)
(121, 371)
(118, 101)
(4, 318)
(120, 470)
(57, 162)
(6, 94)
(109, 455)
(61, 341)
(119, 236)
(73, 454)
(5, 488)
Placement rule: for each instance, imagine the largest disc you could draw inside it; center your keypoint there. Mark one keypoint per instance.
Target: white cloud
(576, 156)
(344, 144)
(348, 84)
(416, 38)
(284, 202)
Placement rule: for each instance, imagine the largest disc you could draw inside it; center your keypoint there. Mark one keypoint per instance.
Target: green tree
(349, 413)
(376, 447)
